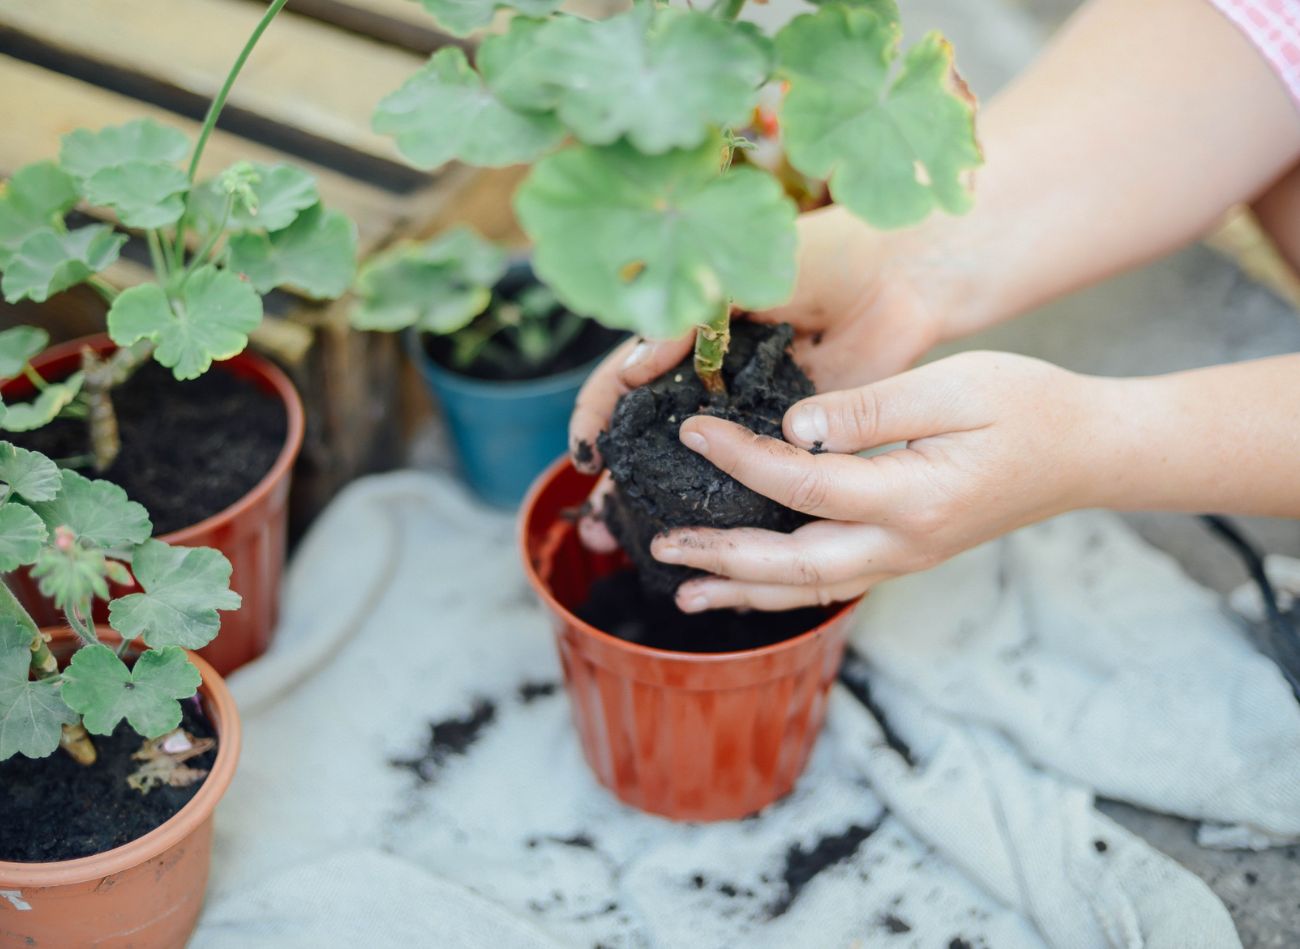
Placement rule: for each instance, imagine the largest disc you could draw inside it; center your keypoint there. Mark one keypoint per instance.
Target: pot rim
(224, 715)
(543, 481)
(502, 389)
(269, 372)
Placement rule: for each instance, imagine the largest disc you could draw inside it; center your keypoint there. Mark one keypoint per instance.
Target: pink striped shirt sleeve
(1274, 27)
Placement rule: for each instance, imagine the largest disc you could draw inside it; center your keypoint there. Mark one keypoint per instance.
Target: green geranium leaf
(210, 322)
(654, 244)
(29, 474)
(32, 714)
(21, 535)
(100, 686)
(37, 195)
(183, 589)
(662, 78)
(97, 512)
(316, 254)
(83, 152)
(445, 112)
(49, 261)
(25, 416)
(17, 347)
(144, 194)
(265, 197)
(465, 16)
(887, 10)
(438, 286)
(893, 146)
(69, 574)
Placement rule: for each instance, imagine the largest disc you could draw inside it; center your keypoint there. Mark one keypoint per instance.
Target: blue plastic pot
(505, 433)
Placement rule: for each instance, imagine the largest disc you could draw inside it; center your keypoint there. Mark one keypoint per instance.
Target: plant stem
(727, 9)
(35, 378)
(197, 260)
(102, 375)
(712, 340)
(214, 110)
(104, 289)
(157, 256)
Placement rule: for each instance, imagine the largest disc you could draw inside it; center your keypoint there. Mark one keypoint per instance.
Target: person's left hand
(994, 442)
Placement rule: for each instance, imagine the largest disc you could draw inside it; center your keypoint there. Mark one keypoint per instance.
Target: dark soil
(590, 344)
(622, 607)
(662, 484)
(55, 809)
(448, 738)
(802, 866)
(189, 449)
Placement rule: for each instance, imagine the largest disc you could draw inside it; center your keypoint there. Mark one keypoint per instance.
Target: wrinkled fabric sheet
(1018, 681)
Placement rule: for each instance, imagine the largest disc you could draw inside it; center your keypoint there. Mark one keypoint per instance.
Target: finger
(592, 529)
(931, 400)
(835, 487)
(696, 596)
(595, 403)
(818, 554)
(649, 360)
(632, 364)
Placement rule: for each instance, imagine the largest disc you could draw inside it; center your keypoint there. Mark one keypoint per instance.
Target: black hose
(1283, 640)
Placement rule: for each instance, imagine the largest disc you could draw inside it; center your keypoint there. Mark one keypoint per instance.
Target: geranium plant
(640, 216)
(444, 287)
(215, 247)
(77, 535)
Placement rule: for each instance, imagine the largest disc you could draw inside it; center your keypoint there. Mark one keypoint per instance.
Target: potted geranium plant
(210, 454)
(500, 353)
(643, 218)
(115, 742)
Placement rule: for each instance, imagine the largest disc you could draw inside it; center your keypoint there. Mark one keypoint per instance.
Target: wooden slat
(402, 23)
(303, 75)
(39, 106)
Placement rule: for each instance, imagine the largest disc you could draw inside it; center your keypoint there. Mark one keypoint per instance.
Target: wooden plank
(401, 23)
(304, 75)
(39, 106)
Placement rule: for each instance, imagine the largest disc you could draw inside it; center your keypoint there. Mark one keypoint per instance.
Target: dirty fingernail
(638, 355)
(695, 442)
(695, 604)
(668, 554)
(810, 424)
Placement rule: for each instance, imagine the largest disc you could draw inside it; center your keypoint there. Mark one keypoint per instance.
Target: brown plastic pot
(146, 894)
(252, 532)
(690, 736)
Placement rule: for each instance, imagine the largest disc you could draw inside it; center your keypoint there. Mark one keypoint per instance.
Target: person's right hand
(859, 314)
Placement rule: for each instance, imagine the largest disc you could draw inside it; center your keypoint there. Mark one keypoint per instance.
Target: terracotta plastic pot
(146, 894)
(690, 736)
(252, 532)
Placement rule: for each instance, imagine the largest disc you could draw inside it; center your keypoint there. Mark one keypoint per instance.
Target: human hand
(858, 313)
(994, 441)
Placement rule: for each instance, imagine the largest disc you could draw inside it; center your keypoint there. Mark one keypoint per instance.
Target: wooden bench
(306, 95)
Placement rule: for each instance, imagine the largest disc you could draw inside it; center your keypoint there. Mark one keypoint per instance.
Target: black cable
(1283, 640)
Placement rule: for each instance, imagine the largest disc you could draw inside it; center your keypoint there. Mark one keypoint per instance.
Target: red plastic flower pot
(252, 532)
(690, 736)
(146, 894)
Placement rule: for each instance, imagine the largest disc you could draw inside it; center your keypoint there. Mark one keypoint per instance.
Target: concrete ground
(1193, 309)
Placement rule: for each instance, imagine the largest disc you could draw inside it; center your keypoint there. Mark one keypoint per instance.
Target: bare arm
(1136, 129)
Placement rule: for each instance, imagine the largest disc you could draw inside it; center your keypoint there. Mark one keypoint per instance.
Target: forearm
(1134, 131)
(1224, 439)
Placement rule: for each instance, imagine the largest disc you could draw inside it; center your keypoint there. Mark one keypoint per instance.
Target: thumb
(917, 404)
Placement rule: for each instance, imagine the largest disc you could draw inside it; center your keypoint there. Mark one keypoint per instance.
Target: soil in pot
(189, 449)
(620, 605)
(55, 809)
(662, 484)
(499, 356)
